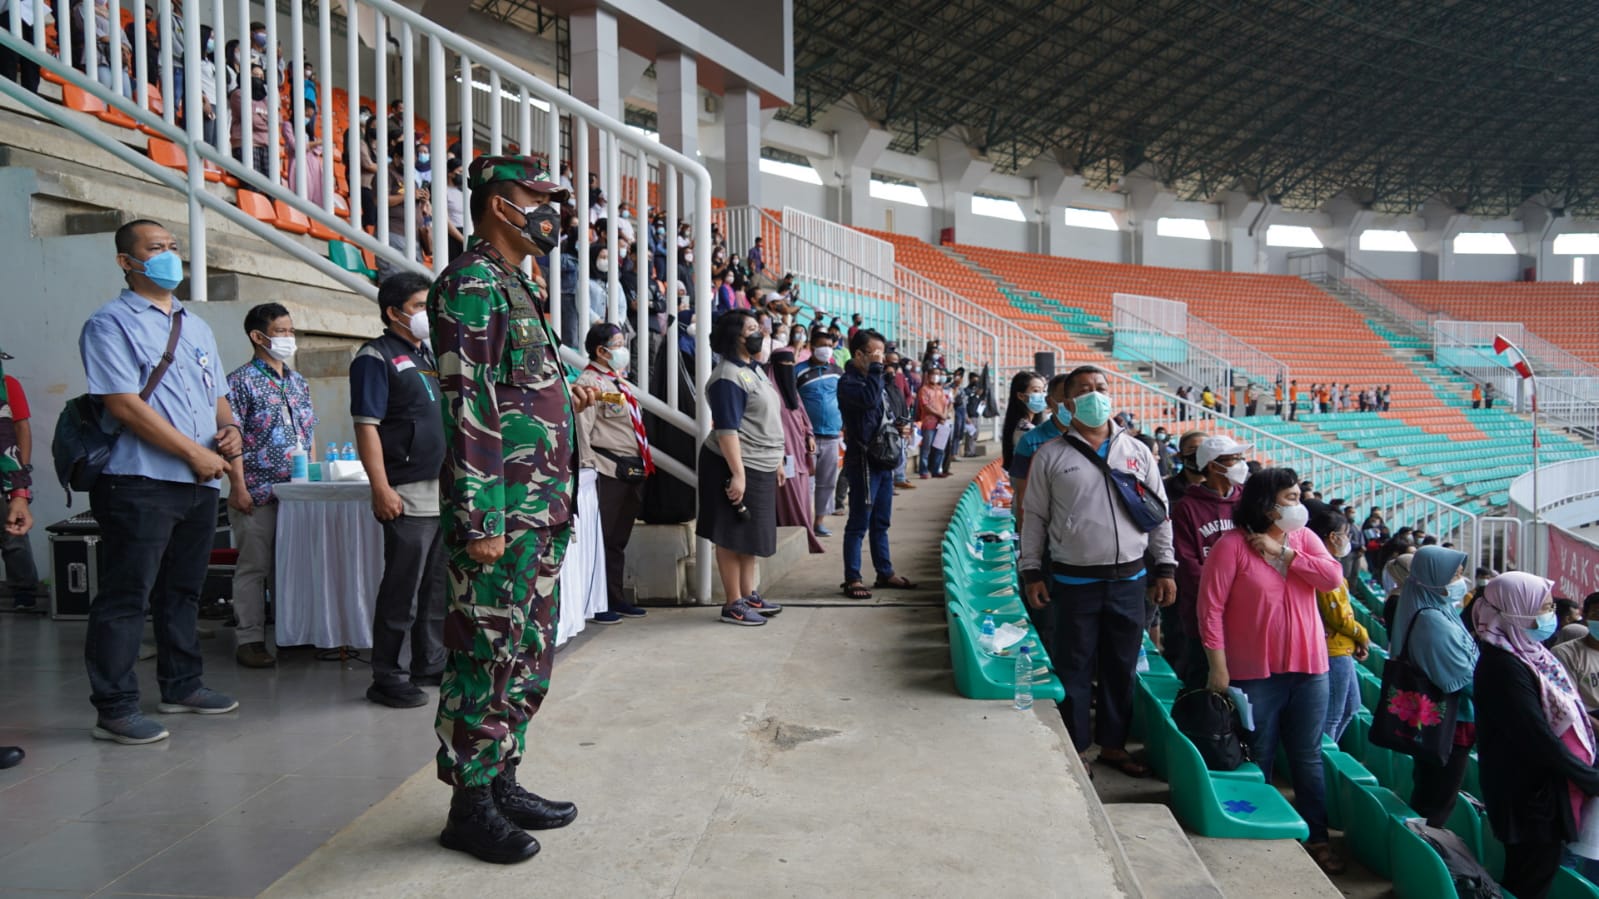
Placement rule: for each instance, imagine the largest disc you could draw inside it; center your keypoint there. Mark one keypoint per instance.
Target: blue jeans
(871, 507)
(931, 461)
(155, 544)
(1291, 708)
(1098, 629)
(1343, 695)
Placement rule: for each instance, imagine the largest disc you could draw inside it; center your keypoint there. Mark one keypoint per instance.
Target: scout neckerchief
(633, 412)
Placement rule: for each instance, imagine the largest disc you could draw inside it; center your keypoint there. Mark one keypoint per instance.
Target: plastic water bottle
(1024, 678)
(299, 469)
(1143, 660)
(348, 453)
(332, 453)
(985, 633)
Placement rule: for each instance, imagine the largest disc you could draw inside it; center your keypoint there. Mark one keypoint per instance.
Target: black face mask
(258, 91)
(541, 226)
(754, 342)
(1191, 462)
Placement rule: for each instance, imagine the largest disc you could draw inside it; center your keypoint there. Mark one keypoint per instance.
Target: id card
(788, 467)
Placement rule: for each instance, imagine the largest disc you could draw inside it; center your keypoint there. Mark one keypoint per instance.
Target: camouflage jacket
(508, 463)
(10, 463)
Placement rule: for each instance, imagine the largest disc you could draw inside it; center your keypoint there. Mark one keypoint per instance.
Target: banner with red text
(1573, 565)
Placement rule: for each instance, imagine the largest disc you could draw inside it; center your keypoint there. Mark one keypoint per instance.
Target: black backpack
(1211, 722)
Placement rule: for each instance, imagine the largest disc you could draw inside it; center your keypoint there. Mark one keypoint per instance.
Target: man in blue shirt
(818, 389)
(156, 502)
(273, 404)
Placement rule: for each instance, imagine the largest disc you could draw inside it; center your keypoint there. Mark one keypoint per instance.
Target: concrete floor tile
(219, 860)
(297, 801)
(86, 855)
(183, 797)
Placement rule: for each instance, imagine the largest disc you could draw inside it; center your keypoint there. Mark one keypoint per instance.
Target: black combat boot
(477, 828)
(526, 810)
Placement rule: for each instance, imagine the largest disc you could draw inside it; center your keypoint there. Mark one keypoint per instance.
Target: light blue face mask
(164, 269)
(1037, 402)
(1092, 409)
(1593, 629)
(1544, 628)
(1456, 591)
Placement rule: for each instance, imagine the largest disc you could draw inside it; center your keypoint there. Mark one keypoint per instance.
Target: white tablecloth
(583, 571)
(329, 563)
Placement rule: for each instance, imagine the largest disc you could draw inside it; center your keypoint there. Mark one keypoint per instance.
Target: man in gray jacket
(1097, 574)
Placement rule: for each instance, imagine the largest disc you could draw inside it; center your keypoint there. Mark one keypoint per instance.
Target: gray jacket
(1071, 505)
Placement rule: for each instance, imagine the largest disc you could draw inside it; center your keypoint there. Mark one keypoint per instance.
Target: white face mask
(281, 348)
(603, 264)
(1292, 518)
(823, 354)
(1238, 472)
(418, 323)
(621, 357)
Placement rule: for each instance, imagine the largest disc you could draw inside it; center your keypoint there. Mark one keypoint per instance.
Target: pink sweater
(1267, 624)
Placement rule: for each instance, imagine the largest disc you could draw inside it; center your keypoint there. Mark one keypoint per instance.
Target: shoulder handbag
(1413, 716)
(1146, 509)
(82, 445)
(1211, 722)
(887, 447)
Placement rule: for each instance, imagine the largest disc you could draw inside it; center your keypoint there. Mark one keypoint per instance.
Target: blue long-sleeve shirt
(860, 403)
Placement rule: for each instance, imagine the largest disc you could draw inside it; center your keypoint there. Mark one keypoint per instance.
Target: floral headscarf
(1509, 605)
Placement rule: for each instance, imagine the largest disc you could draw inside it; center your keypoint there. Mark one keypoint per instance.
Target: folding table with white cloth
(329, 562)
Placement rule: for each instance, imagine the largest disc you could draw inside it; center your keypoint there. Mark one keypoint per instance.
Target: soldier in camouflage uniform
(14, 483)
(506, 505)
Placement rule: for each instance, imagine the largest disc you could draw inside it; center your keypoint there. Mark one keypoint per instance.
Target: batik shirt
(274, 415)
(508, 461)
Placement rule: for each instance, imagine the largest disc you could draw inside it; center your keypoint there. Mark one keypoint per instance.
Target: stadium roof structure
(1479, 104)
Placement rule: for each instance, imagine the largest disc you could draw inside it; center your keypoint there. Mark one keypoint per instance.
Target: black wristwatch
(28, 467)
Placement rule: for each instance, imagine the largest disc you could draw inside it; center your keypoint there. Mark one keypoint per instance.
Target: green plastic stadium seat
(1418, 871)
(981, 676)
(1571, 885)
(1368, 812)
(1342, 771)
(1230, 809)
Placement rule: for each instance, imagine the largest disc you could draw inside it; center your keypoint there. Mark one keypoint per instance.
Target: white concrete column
(860, 143)
(1346, 219)
(742, 123)
(1147, 202)
(1540, 225)
(596, 75)
(1245, 220)
(1055, 185)
(1437, 242)
(960, 171)
(678, 102)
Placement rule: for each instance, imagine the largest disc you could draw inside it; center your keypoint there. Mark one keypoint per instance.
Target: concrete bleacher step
(1163, 862)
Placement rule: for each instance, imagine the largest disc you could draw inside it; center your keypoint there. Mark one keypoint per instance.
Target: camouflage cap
(524, 170)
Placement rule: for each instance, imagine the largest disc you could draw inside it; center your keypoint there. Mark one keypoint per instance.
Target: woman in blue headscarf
(1429, 629)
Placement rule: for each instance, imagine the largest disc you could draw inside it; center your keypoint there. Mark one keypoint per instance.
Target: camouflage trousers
(500, 633)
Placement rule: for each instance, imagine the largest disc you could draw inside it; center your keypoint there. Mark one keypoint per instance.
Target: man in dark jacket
(865, 407)
(399, 432)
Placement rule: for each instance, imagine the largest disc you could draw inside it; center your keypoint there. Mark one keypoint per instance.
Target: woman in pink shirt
(1262, 632)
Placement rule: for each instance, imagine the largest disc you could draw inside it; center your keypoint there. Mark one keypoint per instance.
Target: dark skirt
(718, 523)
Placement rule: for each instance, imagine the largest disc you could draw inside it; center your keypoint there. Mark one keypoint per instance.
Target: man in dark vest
(399, 432)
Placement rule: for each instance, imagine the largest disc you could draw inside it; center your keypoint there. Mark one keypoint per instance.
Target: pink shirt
(1267, 624)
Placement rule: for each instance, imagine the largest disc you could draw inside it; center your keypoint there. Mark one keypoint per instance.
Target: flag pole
(1523, 368)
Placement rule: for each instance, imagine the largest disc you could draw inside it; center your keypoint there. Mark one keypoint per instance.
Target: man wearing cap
(1198, 520)
(16, 431)
(506, 505)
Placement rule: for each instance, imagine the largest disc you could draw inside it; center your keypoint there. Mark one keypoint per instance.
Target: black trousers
(1437, 787)
(13, 66)
(1098, 629)
(1530, 868)
(155, 544)
(411, 599)
(619, 506)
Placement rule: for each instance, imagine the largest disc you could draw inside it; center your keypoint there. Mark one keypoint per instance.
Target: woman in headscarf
(794, 505)
(1429, 630)
(1535, 743)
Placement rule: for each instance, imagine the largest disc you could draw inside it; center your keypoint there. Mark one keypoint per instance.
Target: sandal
(1124, 763)
(1325, 857)
(894, 582)
(855, 590)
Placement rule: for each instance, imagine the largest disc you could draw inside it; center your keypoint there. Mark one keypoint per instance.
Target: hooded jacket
(1073, 512)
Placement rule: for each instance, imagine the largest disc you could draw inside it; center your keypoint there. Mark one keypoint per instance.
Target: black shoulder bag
(1147, 510)
(1211, 722)
(1413, 716)
(887, 447)
(82, 446)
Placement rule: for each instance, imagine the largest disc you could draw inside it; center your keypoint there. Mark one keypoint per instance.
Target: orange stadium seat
(1559, 313)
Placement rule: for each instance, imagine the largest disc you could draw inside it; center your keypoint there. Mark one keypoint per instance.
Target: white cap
(1216, 446)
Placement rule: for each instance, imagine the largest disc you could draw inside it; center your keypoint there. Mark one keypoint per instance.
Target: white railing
(1569, 401)
(741, 225)
(831, 254)
(1554, 360)
(382, 38)
(1162, 333)
(1321, 267)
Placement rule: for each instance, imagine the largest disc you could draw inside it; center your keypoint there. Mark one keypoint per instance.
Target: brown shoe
(254, 655)
(905, 485)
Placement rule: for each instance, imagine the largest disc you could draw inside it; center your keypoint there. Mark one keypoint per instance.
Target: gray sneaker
(203, 701)
(741, 614)
(133, 730)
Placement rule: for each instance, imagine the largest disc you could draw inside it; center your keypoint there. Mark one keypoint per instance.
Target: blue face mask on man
(164, 269)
